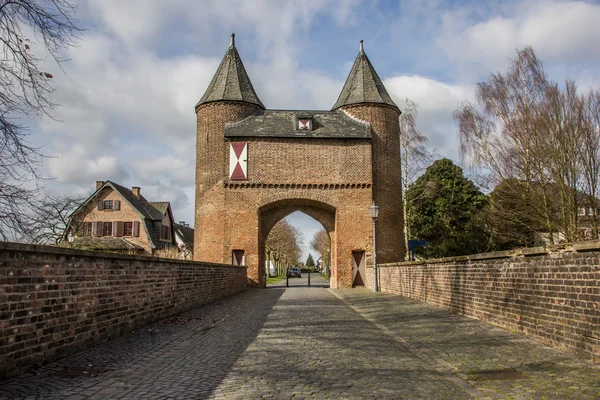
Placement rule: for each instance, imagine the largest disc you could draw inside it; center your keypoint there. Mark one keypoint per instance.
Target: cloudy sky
(127, 95)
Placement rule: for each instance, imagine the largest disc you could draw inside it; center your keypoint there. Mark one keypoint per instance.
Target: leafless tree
(563, 128)
(48, 224)
(284, 242)
(414, 155)
(29, 32)
(321, 243)
(541, 135)
(506, 139)
(590, 157)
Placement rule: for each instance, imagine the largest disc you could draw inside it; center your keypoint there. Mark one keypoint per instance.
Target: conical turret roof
(231, 82)
(363, 85)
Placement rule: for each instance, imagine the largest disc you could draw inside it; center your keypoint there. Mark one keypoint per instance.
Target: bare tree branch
(29, 32)
(414, 155)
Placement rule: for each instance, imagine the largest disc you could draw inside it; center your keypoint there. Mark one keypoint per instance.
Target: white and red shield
(238, 160)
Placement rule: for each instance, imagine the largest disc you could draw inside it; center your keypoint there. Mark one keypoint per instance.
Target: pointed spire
(363, 84)
(231, 82)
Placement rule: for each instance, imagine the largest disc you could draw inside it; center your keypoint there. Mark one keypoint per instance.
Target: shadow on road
(188, 353)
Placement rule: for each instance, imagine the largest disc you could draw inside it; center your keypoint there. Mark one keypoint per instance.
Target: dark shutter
(99, 228)
(117, 205)
(100, 205)
(136, 228)
(119, 228)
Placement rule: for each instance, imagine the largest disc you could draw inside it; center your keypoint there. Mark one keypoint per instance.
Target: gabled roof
(363, 85)
(283, 123)
(149, 211)
(231, 82)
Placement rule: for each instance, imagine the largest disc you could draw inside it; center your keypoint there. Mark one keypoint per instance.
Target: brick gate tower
(364, 97)
(255, 166)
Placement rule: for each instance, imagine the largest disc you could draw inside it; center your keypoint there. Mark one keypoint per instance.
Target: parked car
(294, 272)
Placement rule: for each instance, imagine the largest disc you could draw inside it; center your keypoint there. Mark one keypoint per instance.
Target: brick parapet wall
(55, 301)
(551, 294)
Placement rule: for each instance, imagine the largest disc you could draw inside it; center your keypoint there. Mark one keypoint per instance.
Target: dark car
(294, 272)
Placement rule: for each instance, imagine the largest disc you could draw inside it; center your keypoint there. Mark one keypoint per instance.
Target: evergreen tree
(446, 211)
(310, 263)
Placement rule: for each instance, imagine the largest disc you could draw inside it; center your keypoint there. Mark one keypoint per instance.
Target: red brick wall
(211, 158)
(326, 178)
(307, 161)
(553, 296)
(55, 301)
(387, 177)
(248, 207)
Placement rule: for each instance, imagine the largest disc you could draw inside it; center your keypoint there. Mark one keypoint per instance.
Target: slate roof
(145, 207)
(363, 85)
(283, 124)
(231, 82)
(161, 206)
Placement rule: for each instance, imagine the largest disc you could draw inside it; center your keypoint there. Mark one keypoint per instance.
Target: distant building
(184, 237)
(115, 218)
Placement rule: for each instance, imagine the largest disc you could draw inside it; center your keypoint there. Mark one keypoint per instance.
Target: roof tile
(282, 123)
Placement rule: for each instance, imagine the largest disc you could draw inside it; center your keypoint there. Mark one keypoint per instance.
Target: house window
(128, 229)
(107, 229)
(581, 211)
(108, 204)
(85, 229)
(165, 233)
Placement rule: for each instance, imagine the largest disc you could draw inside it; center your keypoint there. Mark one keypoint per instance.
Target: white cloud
(77, 166)
(437, 101)
(559, 31)
(127, 99)
(128, 95)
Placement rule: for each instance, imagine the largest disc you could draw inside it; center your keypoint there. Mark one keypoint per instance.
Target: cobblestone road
(313, 343)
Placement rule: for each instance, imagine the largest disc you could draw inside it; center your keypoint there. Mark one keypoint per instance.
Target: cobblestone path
(313, 343)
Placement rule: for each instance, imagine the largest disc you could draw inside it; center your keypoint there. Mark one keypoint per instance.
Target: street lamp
(374, 210)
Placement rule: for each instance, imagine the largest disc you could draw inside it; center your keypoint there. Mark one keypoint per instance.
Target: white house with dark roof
(184, 237)
(116, 218)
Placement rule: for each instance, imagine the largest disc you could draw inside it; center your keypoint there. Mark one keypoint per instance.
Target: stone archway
(271, 213)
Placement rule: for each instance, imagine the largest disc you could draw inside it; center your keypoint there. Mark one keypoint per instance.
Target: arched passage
(270, 214)
(282, 254)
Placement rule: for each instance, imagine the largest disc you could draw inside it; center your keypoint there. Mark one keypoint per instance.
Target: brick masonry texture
(387, 177)
(332, 180)
(553, 295)
(55, 301)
